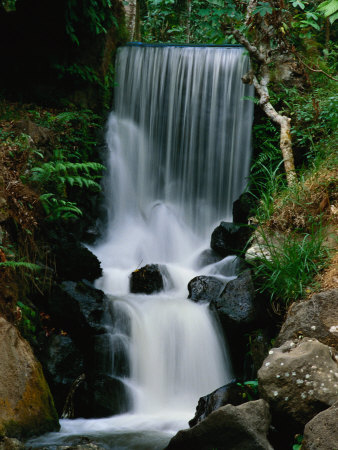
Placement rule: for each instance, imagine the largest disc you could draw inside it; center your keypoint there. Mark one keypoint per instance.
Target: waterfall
(178, 154)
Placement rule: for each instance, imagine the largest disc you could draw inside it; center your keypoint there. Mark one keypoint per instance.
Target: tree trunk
(285, 127)
(130, 9)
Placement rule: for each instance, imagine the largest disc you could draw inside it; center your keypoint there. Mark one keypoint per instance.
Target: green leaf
(298, 4)
(262, 9)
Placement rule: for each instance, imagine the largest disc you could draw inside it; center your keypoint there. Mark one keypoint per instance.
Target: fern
(20, 265)
(57, 208)
(65, 172)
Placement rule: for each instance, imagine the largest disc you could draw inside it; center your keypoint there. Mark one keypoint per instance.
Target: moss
(35, 413)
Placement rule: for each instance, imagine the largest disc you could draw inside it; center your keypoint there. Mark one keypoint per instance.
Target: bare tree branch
(315, 70)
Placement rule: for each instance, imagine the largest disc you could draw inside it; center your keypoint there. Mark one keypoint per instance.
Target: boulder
(26, 404)
(239, 313)
(236, 306)
(78, 308)
(63, 363)
(102, 396)
(204, 288)
(321, 433)
(230, 239)
(148, 279)
(243, 208)
(317, 317)
(233, 393)
(75, 262)
(299, 380)
(243, 427)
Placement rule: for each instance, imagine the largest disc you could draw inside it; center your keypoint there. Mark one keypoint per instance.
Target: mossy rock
(26, 404)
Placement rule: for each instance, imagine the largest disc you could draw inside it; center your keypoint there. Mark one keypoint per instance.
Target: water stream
(178, 156)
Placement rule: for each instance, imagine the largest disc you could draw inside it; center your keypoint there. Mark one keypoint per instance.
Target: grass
(286, 272)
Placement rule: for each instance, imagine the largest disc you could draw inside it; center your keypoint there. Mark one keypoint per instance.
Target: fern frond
(20, 264)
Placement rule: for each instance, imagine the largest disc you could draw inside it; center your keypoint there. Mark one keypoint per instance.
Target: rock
(81, 443)
(243, 208)
(103, 396)
(236, 306)
(10, 444)
(262, 244)
(241, 427)
(75, 262)
(317, 317)
(230, 239)
(63, 363)
(204, 288)
(78, 308)
(232, 393)
(39, 135)
(26, 404)
(299, 380)
(239, 312)
(321, 433)
(259, 347)
(148, 279)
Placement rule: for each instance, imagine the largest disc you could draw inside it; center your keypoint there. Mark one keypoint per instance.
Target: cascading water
(178, 156)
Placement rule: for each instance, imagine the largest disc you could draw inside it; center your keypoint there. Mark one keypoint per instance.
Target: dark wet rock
(207, 257)
(230, 239)
(243, 208)
(242, 427)
(102, 396)
(317, 317)
(236, 306)
(239, 313)
(149, 279)
(63, 363)
(78, 308)
(321, 433)
(75, 262)
(204, 288)
(233, 393)
(299, 380)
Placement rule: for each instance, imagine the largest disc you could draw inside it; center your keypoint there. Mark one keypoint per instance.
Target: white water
(178, 154)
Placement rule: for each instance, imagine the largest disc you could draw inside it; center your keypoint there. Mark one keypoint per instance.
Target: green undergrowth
(295, 223)
(286, 269)
(50, 171)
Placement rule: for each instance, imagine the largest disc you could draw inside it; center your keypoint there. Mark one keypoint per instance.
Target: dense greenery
(201, 21)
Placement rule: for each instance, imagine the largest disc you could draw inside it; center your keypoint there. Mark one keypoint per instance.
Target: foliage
(266, 181)
(250, 389)
(172, 21)
(97, 14)
(329, 8)
(28, 322)
(298, 442)
(20, 265)
(55, 175)
(286, 269)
